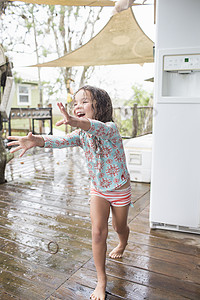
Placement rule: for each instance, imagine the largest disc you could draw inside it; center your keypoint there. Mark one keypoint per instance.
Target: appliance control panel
(188, 62)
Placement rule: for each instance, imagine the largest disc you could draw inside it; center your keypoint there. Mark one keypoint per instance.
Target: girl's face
(83, 105)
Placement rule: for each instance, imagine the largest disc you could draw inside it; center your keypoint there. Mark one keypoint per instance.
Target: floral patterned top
(104, 153)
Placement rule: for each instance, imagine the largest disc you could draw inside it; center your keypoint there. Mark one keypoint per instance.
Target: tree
(3, 5)
(50, 31)
(140, 96)
(5, 71)
(135, 118)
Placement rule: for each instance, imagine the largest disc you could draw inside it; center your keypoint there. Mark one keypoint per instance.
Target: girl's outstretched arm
(26, 142)
(73, 121)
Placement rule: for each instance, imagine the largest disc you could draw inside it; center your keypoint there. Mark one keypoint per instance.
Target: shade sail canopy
(121, 41)
(73, 2)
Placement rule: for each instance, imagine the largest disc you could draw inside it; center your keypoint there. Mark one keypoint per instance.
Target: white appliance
(175, 181)
(138, 152)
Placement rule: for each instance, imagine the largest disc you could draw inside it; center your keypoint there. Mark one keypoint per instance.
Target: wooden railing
(133, 121)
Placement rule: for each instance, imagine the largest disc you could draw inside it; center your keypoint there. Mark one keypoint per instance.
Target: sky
(116, 79)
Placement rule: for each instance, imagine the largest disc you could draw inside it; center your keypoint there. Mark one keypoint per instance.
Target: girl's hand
(25, 142)
(70, 120)
(82, 123)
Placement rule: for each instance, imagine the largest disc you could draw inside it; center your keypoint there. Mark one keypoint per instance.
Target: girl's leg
(99, 211)
(119, 221)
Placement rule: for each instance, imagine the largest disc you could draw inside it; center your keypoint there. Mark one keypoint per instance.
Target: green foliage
(29, 25)
(126, 127)
(57, 118)
(17, 78)
(140, 96)
(51, 8)
(45, 52)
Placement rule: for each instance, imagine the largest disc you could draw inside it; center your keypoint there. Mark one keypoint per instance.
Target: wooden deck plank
(169, 267)
(6, 296)
(121, 287)
(34, 272)
(22, 288)
(36, 206)
(162, 242)
(48, 220)
(141, 224)
(49, 228)
(43, 201)
(165, 256)
(62, 261)
(154, 280)
(63, 234)
(81, 291)
(69, 293)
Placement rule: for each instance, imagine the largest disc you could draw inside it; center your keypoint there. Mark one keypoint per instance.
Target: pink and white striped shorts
(116, 198)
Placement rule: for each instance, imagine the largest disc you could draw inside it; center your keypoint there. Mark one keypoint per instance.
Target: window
(24, 95)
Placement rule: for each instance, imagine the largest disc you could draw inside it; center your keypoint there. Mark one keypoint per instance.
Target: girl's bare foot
(117, 252)
(100, 291)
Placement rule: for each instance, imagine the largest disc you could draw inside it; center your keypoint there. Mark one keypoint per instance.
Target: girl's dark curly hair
(103, 105)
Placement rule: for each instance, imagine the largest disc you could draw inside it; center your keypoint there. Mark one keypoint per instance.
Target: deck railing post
(135, 121)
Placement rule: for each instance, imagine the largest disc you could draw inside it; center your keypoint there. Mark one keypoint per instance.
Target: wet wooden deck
(46, 199)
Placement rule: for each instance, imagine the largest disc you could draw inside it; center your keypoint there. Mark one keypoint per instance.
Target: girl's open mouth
(80, 115)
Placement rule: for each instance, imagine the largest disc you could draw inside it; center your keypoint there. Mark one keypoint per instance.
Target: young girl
(99, 137)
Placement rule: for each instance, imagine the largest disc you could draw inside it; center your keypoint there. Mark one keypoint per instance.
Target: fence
(133, 121)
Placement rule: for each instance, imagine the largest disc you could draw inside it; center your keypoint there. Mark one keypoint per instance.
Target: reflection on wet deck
(46, 199)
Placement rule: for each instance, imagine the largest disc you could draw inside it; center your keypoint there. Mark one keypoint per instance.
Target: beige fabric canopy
(121, 41)
(72, 2)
